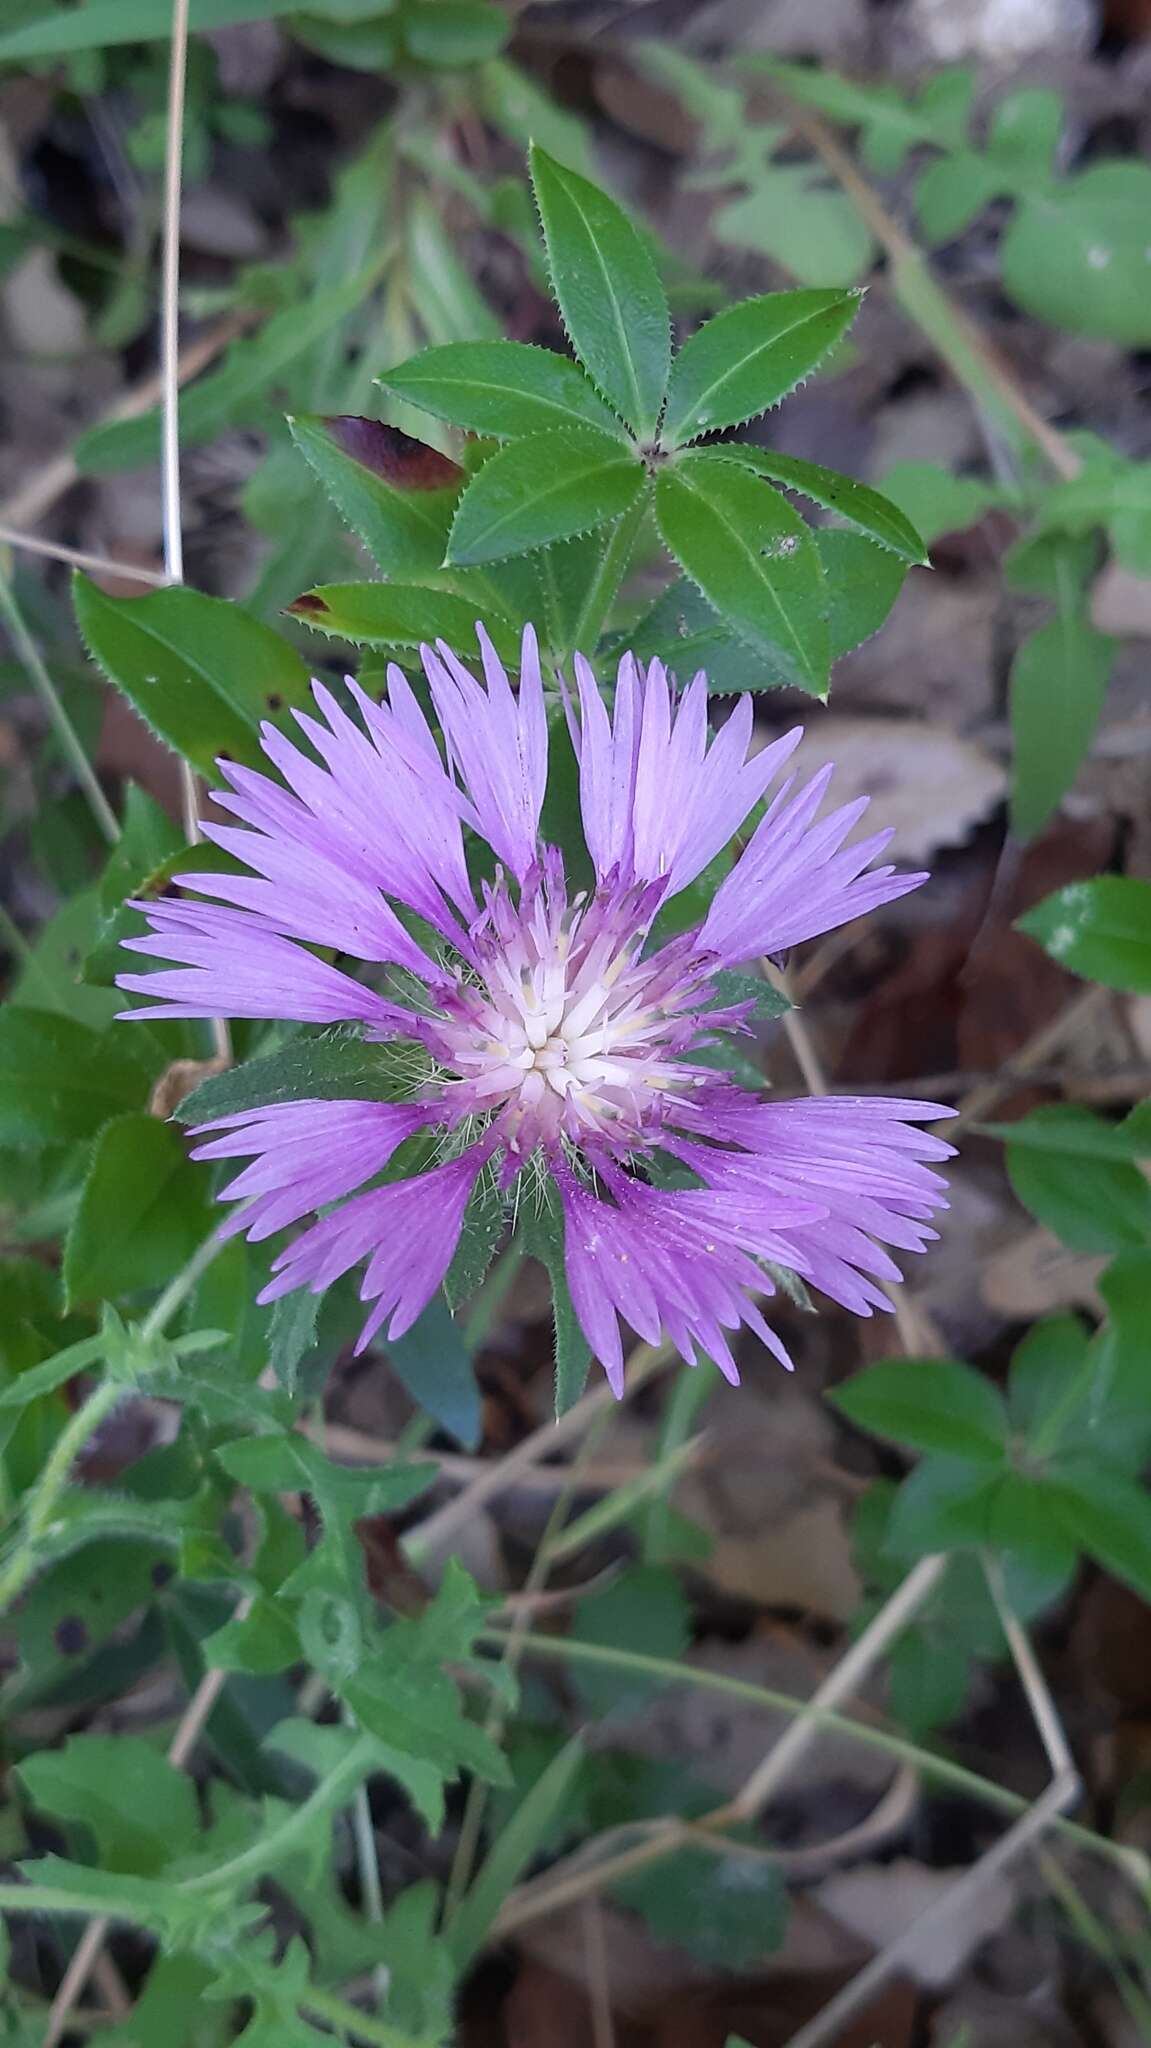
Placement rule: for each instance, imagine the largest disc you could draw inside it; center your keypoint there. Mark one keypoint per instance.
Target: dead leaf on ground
(1035, 1275)
(929, 786)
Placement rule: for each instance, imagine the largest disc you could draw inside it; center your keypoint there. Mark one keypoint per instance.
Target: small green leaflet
(750, 356)
(932, 1404)
(59, 1081)
(1075, 253)
(608, 290)
(432, 1362)
(545, 488)
(1099, 929)
(502, 388)
(754, 559)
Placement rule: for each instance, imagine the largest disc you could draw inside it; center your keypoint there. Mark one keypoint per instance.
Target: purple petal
(498, 743)
(305, 1154)
(231, 965)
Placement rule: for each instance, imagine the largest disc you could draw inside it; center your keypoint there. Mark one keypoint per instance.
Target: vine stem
(37, 672)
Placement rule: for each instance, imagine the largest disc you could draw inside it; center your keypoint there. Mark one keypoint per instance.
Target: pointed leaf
(513, 1850)
(432, 1361)
(754, 559)
(401, 615)
(395, 492)
(199, 670)
(1108, 1515)
(542, 1235)
(503, 388)
(1058, 682)
(934, 1404)
(608, 290)
(59, 1081)
(863, 582)
(868, 511)
(750, 356)
(339, 1067)
(545, 488)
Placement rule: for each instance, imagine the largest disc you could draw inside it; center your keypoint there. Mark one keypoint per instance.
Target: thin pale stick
(78, 558)
(1059, 1795)
(595, 1954)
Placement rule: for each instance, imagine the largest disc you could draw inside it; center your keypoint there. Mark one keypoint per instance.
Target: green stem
(359, 2026)
(51, 1483)
(327, 1797)
(601, 591)
(29, 656)
(567, 1649)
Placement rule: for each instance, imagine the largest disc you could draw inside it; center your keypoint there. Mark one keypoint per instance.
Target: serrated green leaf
(548, 487)
(1099, 929)
(727, 1911)
(60, 1081)
(750, 356)
(483, 1227)
(502, 388)
(402, 615)
(1075, 253)
(291, 1335)
(863, 582)
(140, 1809)
(608, 290)
(933, 1404)
(754, 559)
(143, 1211)
(867, 511)
(338, 1067)
(261, 1641)
(200, 671)
(432, 1361)
(396, 493)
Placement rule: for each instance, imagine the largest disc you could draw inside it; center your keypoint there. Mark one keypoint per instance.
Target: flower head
(551, 1028)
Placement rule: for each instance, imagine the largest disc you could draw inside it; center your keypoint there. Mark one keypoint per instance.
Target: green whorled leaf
(750, 988)
(863, 582)
(1091, 1202)
(240, 389)
(454, 33)
(1024, 133)
(143, 1212)
(201, 673)
(945, 1504)
(60, 1081)
(1075, 253)
(396, 493)
(333, 1067)
(754, 559)
(608, 291)
(685, 631)
(750, 356)
(1106, 1513)
(502, 388)
(951, 193)
(402, 615)
(1072, 1132)
(933, 1404)
(729, 1912)
(867, 511)
(798, 216)
(514, 1849)
(1049, 1378)
(1099, 929)
(433, 1363)
(541, 1232)
(1058, 682)
(549, 487)
(141, 1811)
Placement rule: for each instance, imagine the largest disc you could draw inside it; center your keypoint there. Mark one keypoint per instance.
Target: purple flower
(550, 1034)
